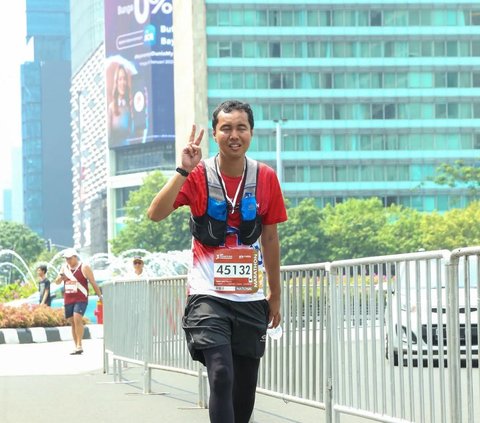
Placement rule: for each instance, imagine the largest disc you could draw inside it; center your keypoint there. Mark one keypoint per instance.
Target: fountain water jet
(16, 255)
(8, 264)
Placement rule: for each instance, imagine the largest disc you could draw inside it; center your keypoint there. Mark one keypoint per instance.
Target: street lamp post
(80, 196)
(278, 147)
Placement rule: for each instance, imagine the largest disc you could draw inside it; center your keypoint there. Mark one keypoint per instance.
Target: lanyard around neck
(233, 201)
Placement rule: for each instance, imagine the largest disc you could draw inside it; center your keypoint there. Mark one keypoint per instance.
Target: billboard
(139, 72)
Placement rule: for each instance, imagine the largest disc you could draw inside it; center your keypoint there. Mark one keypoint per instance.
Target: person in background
(236, 204)
(43, 285)
(75, 275)
(138, 268)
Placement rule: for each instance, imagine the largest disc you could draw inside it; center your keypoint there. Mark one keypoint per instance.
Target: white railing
(391, 339)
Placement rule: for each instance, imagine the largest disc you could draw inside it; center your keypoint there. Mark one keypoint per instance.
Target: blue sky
(12, 51)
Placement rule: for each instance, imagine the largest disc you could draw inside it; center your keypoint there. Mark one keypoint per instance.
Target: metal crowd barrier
(143, 326)
(405, 337)
(390, 339)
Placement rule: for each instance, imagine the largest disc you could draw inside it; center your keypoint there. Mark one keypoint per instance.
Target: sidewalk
(42, 383)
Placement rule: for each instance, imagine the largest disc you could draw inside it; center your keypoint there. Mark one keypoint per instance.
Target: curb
(40, 335)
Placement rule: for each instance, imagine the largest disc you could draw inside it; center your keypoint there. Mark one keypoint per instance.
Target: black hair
(43, 268)
(230, 105)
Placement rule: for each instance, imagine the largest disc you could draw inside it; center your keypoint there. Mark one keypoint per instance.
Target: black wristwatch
(182, 172)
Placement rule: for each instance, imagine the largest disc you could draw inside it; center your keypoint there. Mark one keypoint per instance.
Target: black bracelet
(182, 172)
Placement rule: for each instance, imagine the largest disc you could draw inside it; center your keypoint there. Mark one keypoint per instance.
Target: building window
(452, 79)
(390, 111)
(475, 15)
(315, 174)
(294, 174)
(476, 110)
(475, 48)
(224, 49)
(476, 144)
(452, 49)
(274, 49)
(223, 17)
(274, 18)
(377, 111)
(275, 80)
(375, 18)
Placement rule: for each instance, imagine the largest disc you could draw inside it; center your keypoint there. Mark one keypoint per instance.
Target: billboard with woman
(139, 72)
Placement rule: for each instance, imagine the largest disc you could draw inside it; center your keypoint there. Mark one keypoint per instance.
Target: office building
(139, 97)
(88, 138)
(372, 97)
(45, 81)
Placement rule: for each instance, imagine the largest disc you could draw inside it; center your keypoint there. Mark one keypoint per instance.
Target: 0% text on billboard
(142, 9)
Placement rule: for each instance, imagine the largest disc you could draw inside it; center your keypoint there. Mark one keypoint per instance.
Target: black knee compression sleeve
(220, 378)
(244, 387)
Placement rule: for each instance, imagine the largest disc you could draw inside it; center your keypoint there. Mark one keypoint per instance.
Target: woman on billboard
(120, 115)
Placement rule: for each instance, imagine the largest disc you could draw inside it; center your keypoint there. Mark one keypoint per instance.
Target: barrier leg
(202, 388)
(106, 368)
(115, 370)
(147, 379)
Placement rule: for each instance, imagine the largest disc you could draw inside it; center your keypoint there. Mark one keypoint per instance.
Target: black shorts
(210, 322)
(79, 308)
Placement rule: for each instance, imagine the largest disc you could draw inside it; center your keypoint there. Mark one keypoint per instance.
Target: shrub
(16, 317)
(44, 316)
(28, 315)
(15, 291)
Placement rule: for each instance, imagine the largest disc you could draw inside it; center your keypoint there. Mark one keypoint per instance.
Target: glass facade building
(46, 121)
(89, 150)
(373, 96)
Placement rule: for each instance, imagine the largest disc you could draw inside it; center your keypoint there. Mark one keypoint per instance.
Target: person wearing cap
(138, 271)
(76, 275)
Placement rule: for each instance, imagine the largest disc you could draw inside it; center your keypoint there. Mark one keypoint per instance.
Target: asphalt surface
(43, 383)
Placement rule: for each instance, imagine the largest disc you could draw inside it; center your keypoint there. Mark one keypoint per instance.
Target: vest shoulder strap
(250, 186)
(214, 186)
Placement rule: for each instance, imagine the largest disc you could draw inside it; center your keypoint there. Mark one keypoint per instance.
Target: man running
(76, 276)
(236, 204)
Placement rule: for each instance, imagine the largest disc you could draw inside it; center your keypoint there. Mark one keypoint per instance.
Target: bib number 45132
(236, 270)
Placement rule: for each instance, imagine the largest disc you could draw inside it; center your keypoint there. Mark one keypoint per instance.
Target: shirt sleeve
(193, 192)
(270, 191)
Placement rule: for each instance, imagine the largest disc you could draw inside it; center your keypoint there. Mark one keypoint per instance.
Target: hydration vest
(211, 228)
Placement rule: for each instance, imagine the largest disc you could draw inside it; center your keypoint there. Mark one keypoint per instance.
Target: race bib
(235, 270)
(70, 287)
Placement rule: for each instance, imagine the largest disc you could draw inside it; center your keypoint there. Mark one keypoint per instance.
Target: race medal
(70, 287)
(235, 270)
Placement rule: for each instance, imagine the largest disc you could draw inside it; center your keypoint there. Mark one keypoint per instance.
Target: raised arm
(162, 204)
(271, 257)
(60, 277)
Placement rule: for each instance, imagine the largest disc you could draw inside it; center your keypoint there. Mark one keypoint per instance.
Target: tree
(459, 173)
(456, 228)
(402, 232)
(352, 229)
(140, 232)
(21, 239)
(301, 237)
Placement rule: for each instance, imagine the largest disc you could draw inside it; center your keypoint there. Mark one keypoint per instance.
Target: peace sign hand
(192, 153)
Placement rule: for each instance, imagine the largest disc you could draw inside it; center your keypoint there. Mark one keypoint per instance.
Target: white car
(416, 318)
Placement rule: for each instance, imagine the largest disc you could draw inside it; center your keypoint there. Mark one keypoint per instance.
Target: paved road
(42, 383)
